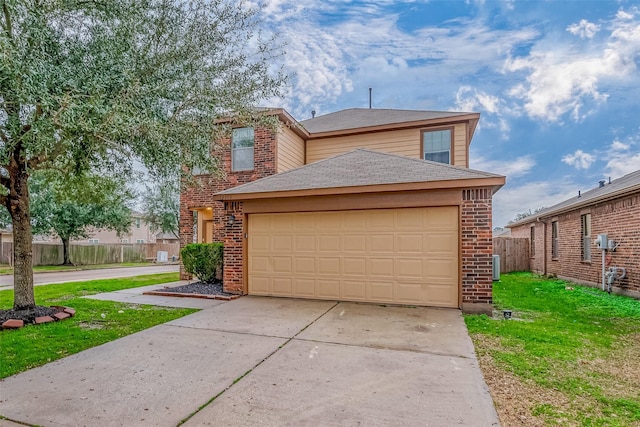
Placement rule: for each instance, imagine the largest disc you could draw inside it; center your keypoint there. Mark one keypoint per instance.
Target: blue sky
(557, 83)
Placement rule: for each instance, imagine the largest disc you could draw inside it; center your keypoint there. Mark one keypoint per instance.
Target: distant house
(167, 238)
(563, 237)
(140, 232)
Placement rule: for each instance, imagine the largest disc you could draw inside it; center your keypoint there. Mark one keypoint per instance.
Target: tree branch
(35, 161)
(4, 200)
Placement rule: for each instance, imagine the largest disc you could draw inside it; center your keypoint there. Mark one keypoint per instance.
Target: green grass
(33, 346)
(576, 342)
(5, 269)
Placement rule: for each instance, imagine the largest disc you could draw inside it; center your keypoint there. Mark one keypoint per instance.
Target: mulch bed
(15, 319)
(196, 290)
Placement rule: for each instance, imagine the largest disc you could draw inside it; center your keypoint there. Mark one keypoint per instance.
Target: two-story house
(369, 205)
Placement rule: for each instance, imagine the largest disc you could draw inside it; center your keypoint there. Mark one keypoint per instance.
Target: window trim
(585, 237)
(555, 240)
(253, 148)
(451, 142)
(532, 242)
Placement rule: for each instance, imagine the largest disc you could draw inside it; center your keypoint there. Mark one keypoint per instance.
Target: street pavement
(6, 281)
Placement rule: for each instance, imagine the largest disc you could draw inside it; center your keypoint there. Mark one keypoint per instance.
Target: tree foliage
(526, 214)
(161, 207)
(94, 85)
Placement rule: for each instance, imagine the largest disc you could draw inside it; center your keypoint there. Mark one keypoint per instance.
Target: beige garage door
(403, 256)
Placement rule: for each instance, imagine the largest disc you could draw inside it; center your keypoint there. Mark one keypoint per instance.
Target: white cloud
(623, 157)
(510, 168)
(579, 159)
(584, 29)
(562, 81)
(470, 99)
(512, 200)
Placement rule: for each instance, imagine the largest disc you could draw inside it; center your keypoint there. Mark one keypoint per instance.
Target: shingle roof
(357, 168)
(353, 118)
(621, 185)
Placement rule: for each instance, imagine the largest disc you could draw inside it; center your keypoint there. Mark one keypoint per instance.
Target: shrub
(203, 260)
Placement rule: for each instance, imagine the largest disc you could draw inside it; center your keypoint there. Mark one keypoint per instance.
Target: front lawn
(570, 356)
(96, 322)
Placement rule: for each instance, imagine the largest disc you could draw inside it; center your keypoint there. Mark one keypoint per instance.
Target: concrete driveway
(267, 361)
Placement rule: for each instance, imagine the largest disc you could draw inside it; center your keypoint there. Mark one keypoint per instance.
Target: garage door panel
(304, 287)
(329, 243)
(329, 266)
(354, 266)
(404, 256)
(282, 286)
(329, 289)
(381, 267)
(356, 243)
(282, 264)
(260, 285)
(380, 291)
(354, 290)
(409, 243)
(305, 243)
(304, 265)
(380, 243)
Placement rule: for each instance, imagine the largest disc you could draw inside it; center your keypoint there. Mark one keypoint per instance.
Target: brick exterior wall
(233, 270)
(476, 249)
(202, 195)
(619, 219)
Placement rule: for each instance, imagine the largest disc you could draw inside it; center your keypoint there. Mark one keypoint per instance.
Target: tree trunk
(24, 297)
(65, 251)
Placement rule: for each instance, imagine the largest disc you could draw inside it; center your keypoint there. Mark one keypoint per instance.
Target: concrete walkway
(267, 361)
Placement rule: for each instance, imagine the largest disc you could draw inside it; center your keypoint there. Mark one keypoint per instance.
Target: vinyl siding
(290, 150)
(405, 142)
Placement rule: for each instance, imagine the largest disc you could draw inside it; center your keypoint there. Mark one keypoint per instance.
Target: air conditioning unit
(496, 267)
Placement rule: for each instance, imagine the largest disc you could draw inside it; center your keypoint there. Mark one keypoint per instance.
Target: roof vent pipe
(609, 180)
(578, 193)
(313, 114)
(601, 183)
(370, 89)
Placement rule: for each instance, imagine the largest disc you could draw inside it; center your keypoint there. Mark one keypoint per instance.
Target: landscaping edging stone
(63, 313)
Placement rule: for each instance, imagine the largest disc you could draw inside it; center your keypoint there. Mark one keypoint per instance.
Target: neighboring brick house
(563, 236)
(359, 205)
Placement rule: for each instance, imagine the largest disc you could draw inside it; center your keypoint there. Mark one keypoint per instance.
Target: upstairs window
(242, 149)
(436, 145)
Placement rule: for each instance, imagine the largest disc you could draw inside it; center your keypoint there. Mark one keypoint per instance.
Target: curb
(185, 295)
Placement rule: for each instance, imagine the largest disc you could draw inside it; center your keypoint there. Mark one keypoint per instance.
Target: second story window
(137, 222)
(436, 145)
(242, 149)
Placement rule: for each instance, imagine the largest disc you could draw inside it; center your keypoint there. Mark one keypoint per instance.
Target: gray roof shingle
(360, 167)
(354, 118)
(629, 181)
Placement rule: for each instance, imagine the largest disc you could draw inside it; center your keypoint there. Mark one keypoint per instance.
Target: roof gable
(359, 168)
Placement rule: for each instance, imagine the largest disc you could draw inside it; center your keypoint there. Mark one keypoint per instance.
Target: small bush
(203, 260)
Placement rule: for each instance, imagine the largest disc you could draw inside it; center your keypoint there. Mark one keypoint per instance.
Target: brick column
(477, 249)
(233, 239)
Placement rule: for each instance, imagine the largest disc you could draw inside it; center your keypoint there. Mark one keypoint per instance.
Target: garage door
(402, 256)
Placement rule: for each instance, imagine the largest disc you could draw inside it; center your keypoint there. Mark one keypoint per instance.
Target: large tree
(72, 207)
(161, 207)
(97, 84)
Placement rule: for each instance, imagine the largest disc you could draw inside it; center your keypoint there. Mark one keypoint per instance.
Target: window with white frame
(585, 243)
(139, 240)
(436, 145)
(554, 240)
(94, 240)
(242, 143)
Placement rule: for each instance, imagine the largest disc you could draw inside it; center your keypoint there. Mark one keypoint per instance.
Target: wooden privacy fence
(102, 253)
(513, 252)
